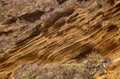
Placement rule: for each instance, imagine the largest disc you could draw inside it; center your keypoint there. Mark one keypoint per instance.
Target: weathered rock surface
(42, 31)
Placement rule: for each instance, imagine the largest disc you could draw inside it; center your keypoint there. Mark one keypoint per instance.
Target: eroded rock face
(37, 30)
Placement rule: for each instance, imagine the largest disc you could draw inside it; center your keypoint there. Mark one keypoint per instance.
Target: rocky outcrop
(42, 31)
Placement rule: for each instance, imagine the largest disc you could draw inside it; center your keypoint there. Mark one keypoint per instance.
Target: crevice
(61, 1)
(111, 27)
(32, 17)
(87, 49)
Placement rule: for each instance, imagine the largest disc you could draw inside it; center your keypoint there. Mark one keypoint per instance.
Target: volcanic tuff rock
(42, 31)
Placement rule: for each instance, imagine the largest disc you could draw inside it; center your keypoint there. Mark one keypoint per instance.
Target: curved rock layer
(42, 31)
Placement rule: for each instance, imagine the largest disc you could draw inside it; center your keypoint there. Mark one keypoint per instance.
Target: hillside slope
(34, 31)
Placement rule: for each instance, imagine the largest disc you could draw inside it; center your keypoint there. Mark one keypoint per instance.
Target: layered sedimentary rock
(42, 31)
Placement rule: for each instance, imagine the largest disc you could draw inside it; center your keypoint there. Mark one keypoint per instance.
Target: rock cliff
(34, 31)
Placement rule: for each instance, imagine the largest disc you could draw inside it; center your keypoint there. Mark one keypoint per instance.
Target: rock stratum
(33, 31)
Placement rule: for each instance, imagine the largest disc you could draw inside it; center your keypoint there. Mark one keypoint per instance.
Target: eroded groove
(32, 17)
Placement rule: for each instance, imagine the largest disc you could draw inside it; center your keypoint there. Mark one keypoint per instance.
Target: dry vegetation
(86, 69)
